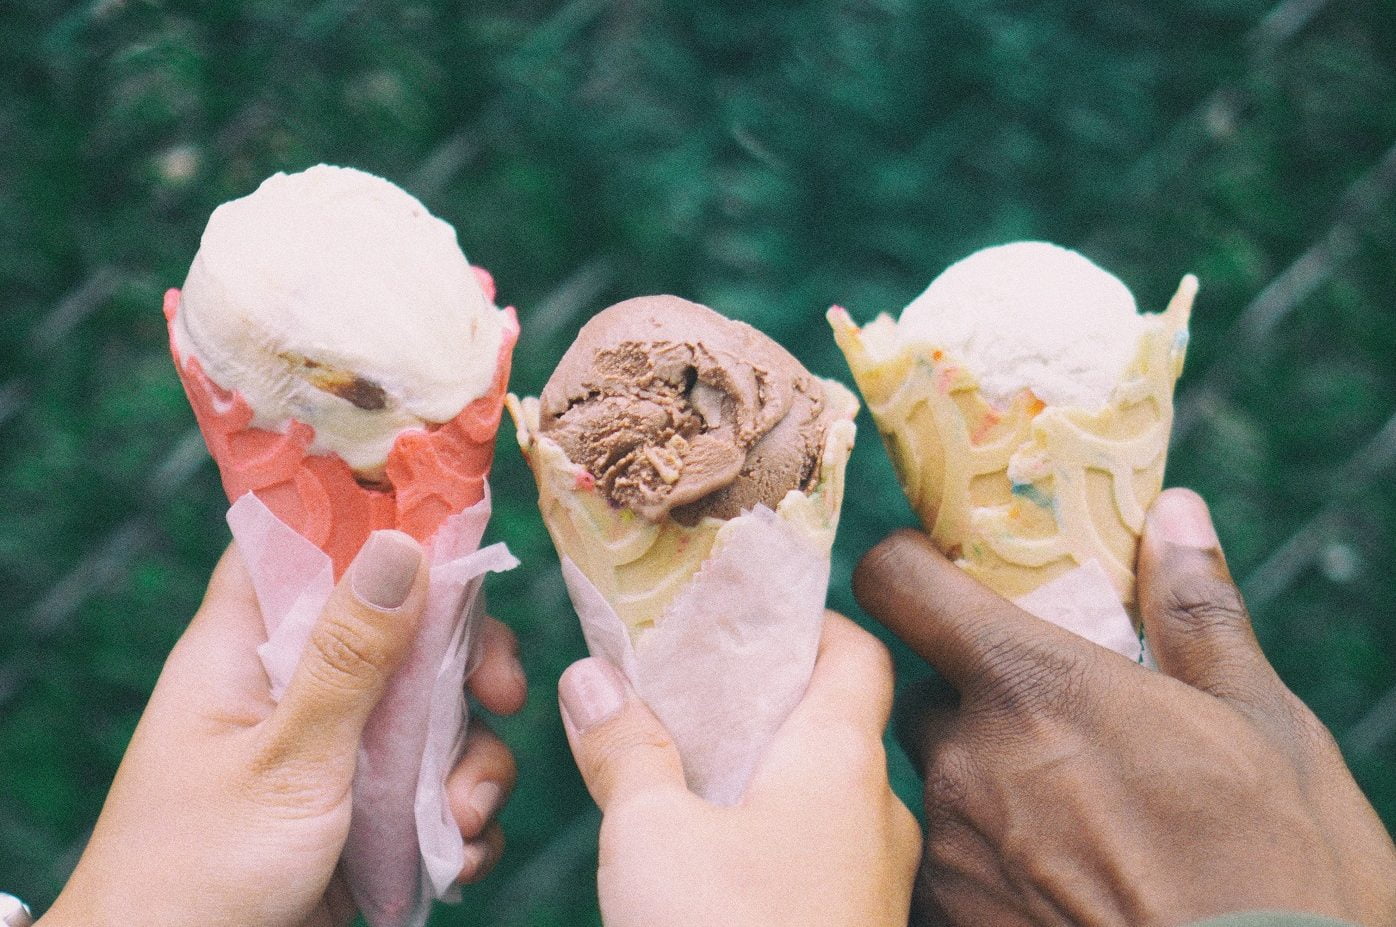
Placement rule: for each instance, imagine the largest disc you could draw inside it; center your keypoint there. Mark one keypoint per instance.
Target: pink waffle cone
(433, 473)
(299, 519)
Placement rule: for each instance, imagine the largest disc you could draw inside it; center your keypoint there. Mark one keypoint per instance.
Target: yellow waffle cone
(640, 566)
(1020, 496)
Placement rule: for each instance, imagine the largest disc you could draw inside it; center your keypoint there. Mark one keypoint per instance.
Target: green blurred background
(766, 159)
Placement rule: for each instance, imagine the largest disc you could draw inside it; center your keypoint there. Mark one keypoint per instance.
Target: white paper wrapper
(404, 847)
(733, 653)
(1084, 601)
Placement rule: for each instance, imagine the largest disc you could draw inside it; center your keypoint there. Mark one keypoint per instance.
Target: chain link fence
(766, 159)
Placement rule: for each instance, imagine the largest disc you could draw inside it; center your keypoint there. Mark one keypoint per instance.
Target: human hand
(818, 838)
(1072, 786)
(229, 809)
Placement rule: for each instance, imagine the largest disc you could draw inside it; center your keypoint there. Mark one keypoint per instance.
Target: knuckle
(494, 850)
(1235, 680)
(985, 633)
(887, 558)
(611, 743)
(949, 776)
(278, 784)
(1030, 682)
(929, 896)
(499, 635)
(873, 655)
(488, 757)
(1312, 737)
(349, 655)
(945, 845)
(955, 855)
(1206, 605)
(877, 656)
(491, 848)
(944, 793)
(508, 769)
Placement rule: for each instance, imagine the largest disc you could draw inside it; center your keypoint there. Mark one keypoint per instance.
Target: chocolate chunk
(360, 391)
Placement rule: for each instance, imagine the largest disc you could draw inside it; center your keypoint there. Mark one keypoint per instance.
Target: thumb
(1194, 618)
(621, 748)
(362, 636)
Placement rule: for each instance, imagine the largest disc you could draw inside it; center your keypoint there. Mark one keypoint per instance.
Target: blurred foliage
(767, 159)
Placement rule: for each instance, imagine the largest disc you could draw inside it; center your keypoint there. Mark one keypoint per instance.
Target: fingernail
(1182, 518)
(385, 569)
(592, 692)
(520, 677)
(484, 799)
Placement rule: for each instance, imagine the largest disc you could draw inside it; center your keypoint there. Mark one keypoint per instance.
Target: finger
(482, 854)
(215, 664)
(229, 586)
(362, 635)
(925, 910)
(968, 632)
(852, 679)
(924, 715)
(831, 742)
(620, 747)
(229, 611)
(498, 681)
(339, 904)
(1194, 618)
(482, 781)
(943, 898)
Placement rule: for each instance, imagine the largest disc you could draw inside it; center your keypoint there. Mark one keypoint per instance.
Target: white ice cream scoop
(1031, 315)
(334, 298)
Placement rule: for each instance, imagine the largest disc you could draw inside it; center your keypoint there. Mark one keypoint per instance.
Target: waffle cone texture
(1022, 495)
(640, 566)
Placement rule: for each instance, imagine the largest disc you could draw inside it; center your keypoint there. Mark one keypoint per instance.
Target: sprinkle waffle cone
(640, 566)
(1022, 495)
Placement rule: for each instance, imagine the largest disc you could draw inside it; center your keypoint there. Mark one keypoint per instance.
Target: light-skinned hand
(1070, 786)
(818, 839)
(229, 809)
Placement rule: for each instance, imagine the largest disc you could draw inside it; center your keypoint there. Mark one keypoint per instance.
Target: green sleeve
(1271, 919)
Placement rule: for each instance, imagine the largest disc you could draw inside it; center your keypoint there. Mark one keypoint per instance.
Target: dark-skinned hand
(1066, 785)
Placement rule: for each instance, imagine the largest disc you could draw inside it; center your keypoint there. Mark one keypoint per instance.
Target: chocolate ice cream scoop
(675, 409)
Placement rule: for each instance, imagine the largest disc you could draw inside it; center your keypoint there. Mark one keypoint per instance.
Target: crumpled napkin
(732, 654)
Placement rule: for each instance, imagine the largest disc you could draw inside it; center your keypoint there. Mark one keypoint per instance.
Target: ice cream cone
(640, 566)
(395, 851)
(1019, 496)
(347, 368)
(433, 474)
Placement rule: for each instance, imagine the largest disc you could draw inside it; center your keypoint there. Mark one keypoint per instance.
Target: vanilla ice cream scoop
(333, 298)
(1035, 316)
